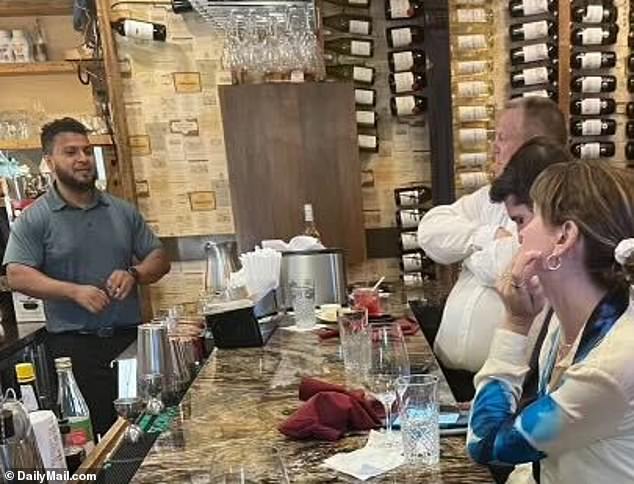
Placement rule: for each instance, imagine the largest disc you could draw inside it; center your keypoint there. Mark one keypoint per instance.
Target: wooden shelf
(28, 8)
(37, 69)
(34, 143)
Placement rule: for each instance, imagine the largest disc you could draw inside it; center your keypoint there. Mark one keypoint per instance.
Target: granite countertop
(230, 414)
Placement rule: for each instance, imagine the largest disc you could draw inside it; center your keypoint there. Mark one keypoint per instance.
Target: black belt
(105, 332)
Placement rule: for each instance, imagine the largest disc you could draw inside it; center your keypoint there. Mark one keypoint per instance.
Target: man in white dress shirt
(479, 234)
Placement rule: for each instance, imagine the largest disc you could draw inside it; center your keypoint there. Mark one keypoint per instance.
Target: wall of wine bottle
(629, 110)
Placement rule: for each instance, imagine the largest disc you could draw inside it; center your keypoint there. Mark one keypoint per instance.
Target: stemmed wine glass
(388, 362)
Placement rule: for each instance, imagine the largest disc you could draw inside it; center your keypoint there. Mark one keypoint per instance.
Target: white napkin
(260, 272)
(372, 460)
(304, 330)
(297, 243)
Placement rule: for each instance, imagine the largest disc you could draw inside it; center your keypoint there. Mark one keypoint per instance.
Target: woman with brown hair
(580, 429)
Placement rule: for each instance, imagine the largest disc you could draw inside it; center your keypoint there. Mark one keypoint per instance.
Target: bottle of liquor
(629, 129)
(407, 81)
(72, 405)
(365, 97)
(73, 454)
(593, 60)
(310, 228)
(404, 36)
(593, 84)
(593, 14)
(471, 15)
(351, 3)
(549, 93)
(351, 72)
(629, 110)
(408, 105)
(471, 89)
(604, 35)
(366, 119)
(350, 23)
(40, 51)
(524, 8)
(592, 127)
(629, 151)
(140, 29)
(592, 106)
(28, 389)
(533, 53)
(471, 114)
(592, 150)
(534, 75)
(353, 47)
(533, 30)
(397, 9)
(368, 142)
(407, 60)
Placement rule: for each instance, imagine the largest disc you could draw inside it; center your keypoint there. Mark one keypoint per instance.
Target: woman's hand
(522, 292)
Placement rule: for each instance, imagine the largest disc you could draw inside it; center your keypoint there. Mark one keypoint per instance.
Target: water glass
(355, 342)
(419, 418)
(303, 294)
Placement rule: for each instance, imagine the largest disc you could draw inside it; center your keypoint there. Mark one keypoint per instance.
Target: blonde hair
(599, 199)
(542, 117)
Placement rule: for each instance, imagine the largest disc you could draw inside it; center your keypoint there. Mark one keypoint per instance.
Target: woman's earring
(553, 262)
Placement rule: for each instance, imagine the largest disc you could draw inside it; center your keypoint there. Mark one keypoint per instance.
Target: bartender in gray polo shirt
(84, 253)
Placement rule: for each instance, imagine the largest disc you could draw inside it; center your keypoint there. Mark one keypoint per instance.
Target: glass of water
(418, 401)
(303, 294)
(355, 343)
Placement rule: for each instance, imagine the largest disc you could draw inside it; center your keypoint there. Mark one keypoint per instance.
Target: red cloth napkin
(330, 411)
(409, 327)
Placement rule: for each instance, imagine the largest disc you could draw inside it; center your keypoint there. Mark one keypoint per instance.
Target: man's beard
(74, 184)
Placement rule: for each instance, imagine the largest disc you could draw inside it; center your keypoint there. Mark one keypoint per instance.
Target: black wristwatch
(134, 273)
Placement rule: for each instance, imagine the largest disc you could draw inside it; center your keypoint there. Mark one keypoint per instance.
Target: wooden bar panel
(27, 8)
(564, 57)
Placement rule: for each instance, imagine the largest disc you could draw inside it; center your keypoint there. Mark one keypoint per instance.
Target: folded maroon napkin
(409, 327)
(330, 411)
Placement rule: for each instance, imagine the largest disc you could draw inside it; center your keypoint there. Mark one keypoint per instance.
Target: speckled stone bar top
(229, 420)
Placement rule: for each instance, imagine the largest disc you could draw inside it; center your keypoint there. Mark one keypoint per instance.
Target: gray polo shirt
(83, 246)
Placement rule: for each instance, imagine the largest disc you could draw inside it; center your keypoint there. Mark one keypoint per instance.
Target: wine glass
(388, 362)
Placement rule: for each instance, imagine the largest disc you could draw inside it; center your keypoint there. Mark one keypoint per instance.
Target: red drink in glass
(369, 299)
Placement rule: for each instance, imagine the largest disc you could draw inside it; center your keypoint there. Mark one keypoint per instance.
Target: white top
(465, 232)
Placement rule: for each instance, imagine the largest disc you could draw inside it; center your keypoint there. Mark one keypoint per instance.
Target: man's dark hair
(542, 117)
(525, 165)
(52, 129)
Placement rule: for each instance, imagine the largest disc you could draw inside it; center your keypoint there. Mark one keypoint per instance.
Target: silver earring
(553, 262)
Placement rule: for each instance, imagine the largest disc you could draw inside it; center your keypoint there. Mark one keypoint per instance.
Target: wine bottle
(397, 9)
(592, 127)
(532, 30)
(629, 110)
(408, 241)
(349, 23)
(474, 89)
(368, 142)
(351, 3)
(630, 62)
(366, 119)
(471, 16)
(629, 129)
(630, 83)
(549, 93)
(533, 53)
(604, 35)
(352, 46)
(593, 14)
(408, 105)
(407, 60)
(525, 8)
(473, 67)
(630, 39)
(593, 84)
(408, 81)
(472, 43)
(351, 72)
(182, 6)
(473, 160)
(474, 137)
(629, 151)
(140, 29)
(409, 218)
(592, 150)
(413, 196)
(310, 228)
(469, 114)
(592, 106)
(365, 97)
(534, 75)
(415, 262)
(593, 60)
(404, 36)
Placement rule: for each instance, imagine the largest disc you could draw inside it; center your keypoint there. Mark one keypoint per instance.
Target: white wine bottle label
(409, 198)
(366, 118)
(403, 82)
(535, 52)
(472, 136)
(412, 280)
(138, 30)
(472, 42)
(361, 27)
(412, 262)
(593, 15)
(364, 97)
(591, 127)
(472, 89)
(590, 150)
(401, 37)
(591, 60)
(536, 75)
(472, 67)
(409, 217)
(399, 8)
(471, 15)
(535, 7)
(592, 36)
(359, 3)
(590, 106)
(537, 93)
(366, 141)
(468, 114)
(403, 61)
(363, 74)
(535, 30)
(361, 48)
(409, 241)
(591, 84)
(405, 105)
(473, 160)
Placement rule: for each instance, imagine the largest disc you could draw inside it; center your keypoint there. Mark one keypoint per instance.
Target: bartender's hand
(91, 298)
(120, 284)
